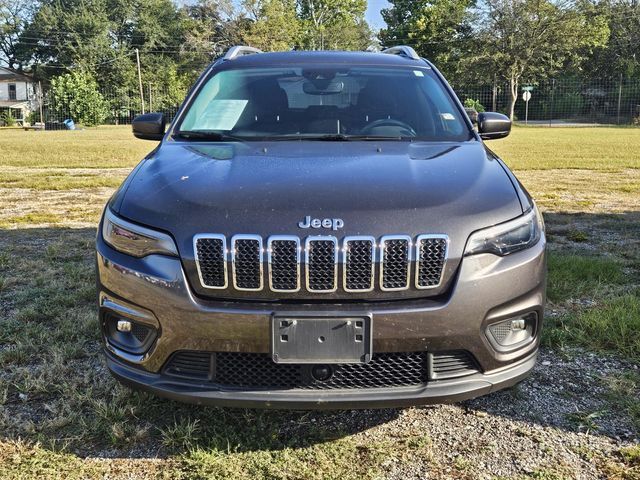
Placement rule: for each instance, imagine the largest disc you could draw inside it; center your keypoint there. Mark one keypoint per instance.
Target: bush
(475, 104)
(8, 119)
(76, 96)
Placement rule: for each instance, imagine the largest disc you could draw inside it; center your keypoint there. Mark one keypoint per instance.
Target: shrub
(76, 96)
(8, 119)
(475, 104)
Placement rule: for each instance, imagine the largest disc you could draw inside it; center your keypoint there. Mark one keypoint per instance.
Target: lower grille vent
(258, 371)
(190, 365)
(456, 363)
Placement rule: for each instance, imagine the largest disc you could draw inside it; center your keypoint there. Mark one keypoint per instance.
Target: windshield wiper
(333, 137)
(206, 135)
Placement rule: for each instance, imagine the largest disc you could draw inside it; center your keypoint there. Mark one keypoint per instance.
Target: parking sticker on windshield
(447, 116)
(418, 73)
(222, 114)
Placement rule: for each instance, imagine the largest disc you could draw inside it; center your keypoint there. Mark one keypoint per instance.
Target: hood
(375, 188)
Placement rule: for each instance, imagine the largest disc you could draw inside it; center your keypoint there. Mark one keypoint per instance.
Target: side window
(445, 115)
(12, 91)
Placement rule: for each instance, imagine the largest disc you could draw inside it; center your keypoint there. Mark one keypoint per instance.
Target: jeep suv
(321, 230)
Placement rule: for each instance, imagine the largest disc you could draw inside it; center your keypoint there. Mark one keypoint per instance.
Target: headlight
(135, 240)
(509, 237)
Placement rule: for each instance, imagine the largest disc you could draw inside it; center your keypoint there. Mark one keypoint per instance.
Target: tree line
(174, 40)
(472, 42)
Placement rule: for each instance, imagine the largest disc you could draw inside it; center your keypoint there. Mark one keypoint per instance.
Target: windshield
(325, 103)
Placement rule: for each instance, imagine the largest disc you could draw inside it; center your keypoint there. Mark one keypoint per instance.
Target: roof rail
(239, 51)
(404, 51)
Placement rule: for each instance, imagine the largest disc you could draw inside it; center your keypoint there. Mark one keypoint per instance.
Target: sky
(373, 13)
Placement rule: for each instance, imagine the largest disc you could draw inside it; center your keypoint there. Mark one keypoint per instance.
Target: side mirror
(492, 125)
(149, 126)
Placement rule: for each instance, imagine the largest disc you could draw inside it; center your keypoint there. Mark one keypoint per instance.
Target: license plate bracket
(320, 339)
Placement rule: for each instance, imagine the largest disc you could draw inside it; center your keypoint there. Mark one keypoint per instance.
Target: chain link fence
(577, 101)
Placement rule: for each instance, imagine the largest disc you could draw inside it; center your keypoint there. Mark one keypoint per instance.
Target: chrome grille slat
(284, 263)
(322, 264)
(395, 262)
(431, 254)
(359, 264)
(210, 252)
(246, 258)
(393, 255)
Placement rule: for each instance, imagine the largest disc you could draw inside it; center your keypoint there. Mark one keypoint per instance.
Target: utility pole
(40, 101)
(619, 99)
(140, 80)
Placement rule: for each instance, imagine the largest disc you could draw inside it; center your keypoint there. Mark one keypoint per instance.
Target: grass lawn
(62, 416)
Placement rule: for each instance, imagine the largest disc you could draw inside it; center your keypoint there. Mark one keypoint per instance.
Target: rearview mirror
(492, 125)
(149, 126)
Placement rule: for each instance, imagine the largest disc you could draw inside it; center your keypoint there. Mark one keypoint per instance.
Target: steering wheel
(390, 122)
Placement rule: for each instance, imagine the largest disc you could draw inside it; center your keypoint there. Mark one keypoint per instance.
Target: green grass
(612, 327)
(572, 276)
(103, 147)
(587, 148)
(56, 396)
(60, 180)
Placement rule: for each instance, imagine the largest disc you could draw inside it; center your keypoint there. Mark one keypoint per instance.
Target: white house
(17, 93)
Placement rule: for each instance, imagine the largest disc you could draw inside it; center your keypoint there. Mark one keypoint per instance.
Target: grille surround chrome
(225, 259)
(307, 252)
(383, 241)
(345, 252)
(257, 238)
(352, 270)
(431, 236)
(285, 238)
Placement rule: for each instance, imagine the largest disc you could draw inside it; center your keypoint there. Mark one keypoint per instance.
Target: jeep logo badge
(332, 223)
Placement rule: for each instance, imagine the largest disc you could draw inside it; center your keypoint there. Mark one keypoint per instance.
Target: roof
(330, 57)
(18, 104)
(8, 75)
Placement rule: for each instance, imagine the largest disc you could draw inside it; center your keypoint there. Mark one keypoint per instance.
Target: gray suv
(321, 230)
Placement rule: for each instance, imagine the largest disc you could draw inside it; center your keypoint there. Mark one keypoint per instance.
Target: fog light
(519, 324)
(124, 326)
(512, 332)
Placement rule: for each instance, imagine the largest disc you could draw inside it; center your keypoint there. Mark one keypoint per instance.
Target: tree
(14, 17)
(621, 54)
(533, 39)
(76, 96)
(336, 24)
(275, 25)
(437, 29)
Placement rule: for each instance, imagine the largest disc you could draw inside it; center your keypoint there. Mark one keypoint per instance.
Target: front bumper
(154, 291)
(440, 391)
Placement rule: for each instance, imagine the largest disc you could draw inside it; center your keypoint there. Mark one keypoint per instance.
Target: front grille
(359, 264)
(322, 264)
(357, 259)
(430, 257)
(395, 263)
(247, 262)
(211, 259)
(258, 371)
(284, 264)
